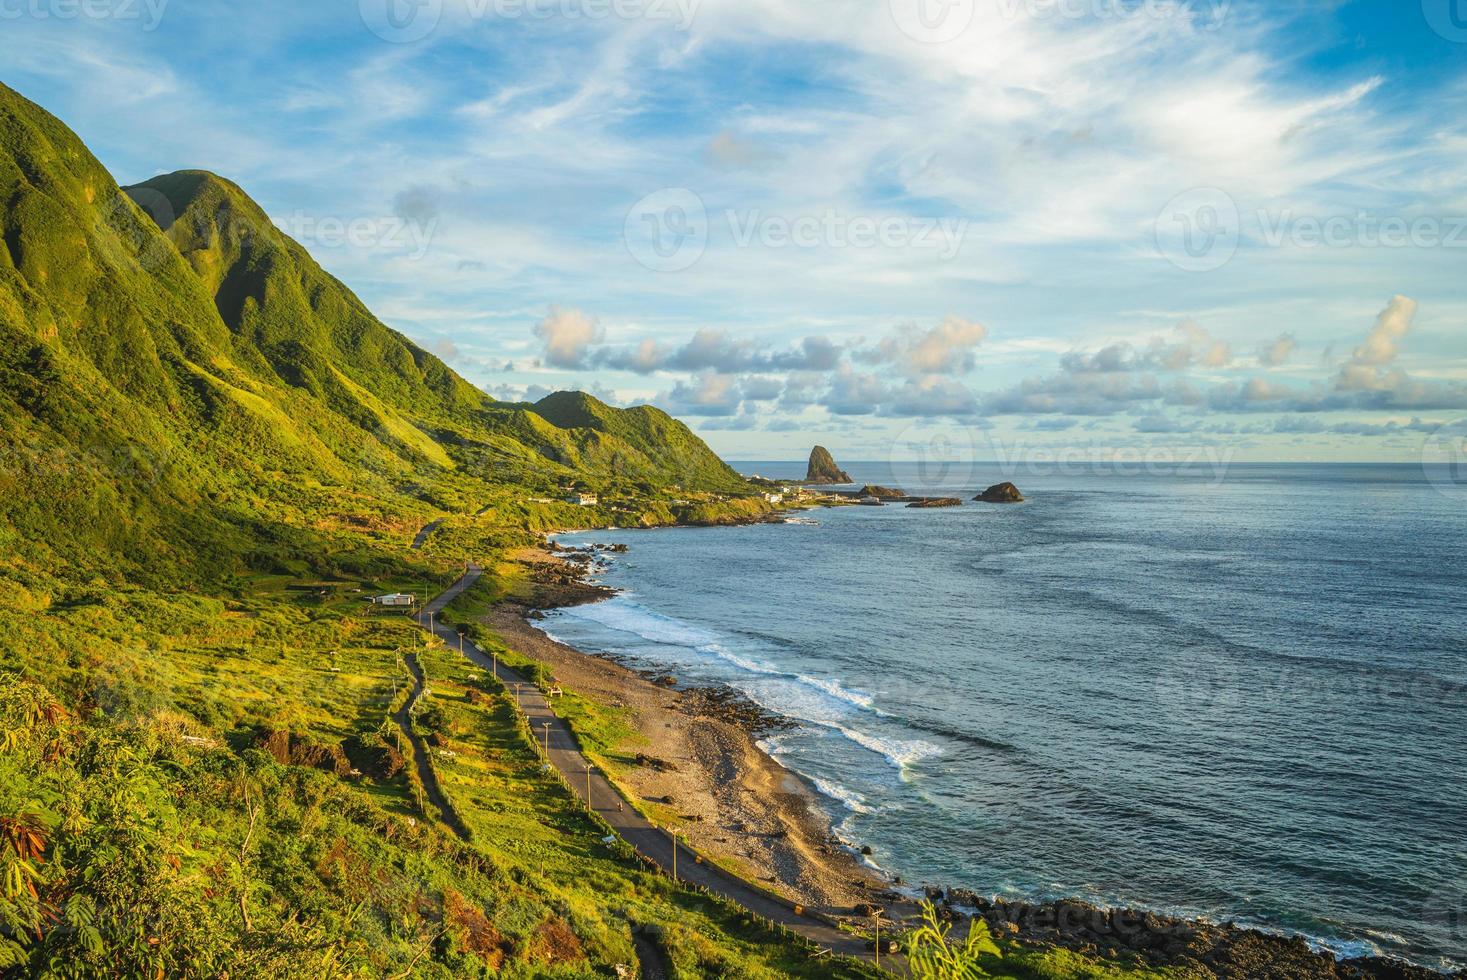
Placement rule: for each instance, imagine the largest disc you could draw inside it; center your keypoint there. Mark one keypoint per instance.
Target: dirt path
(434, 792)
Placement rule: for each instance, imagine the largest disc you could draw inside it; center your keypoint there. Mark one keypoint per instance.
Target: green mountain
(179, 381)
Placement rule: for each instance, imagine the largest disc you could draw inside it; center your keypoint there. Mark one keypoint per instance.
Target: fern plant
(933, 955)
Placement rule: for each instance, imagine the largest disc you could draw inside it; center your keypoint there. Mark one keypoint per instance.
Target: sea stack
(1002, 493)
(823, 469)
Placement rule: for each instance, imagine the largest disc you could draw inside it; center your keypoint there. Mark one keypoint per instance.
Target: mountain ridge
(205, 373)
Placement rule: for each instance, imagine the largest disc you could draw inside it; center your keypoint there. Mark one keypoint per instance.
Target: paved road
(425, 534)
(653, 842)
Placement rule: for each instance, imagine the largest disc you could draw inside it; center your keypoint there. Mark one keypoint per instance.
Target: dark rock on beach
(1001, 493)
(930, 502)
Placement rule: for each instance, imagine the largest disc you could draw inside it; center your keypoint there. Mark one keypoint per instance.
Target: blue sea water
(1243, 696)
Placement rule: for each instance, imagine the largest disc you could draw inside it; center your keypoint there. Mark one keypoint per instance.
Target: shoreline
(815, 868)
(693, 754)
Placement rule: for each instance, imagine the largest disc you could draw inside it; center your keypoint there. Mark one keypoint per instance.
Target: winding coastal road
(649, 840)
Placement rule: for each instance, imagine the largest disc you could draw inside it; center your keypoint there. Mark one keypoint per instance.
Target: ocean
(1241, 696)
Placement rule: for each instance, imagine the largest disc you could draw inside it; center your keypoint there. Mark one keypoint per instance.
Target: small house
(396, 600)
(584, 499)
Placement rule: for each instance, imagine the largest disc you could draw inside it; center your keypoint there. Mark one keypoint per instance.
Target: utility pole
(878, 938)
(588, 787)
(547, 741)
(673, 835)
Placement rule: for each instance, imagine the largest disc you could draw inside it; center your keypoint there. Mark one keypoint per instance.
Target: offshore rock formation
(1002, 493)
(822, 468)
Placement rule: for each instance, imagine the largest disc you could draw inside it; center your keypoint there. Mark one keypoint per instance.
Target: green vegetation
(211, 455)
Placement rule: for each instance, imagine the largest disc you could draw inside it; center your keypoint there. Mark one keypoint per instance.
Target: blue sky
(1075, 227)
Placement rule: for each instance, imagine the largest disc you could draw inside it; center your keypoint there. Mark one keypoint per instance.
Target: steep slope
(309, 328)
(645, 443)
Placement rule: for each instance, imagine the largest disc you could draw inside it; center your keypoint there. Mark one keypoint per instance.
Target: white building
(584, 499)
(396, 599)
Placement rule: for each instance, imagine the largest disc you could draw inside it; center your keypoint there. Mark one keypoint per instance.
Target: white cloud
(568, 335)
(1277, 352)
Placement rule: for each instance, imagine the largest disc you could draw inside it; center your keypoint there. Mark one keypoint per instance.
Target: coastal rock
(822, 468)
(1000, 493)
(1226, 952)
(882, 493)
(931, 502)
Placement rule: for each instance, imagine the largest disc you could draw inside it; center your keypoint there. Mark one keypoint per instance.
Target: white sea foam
(849, 799)
(901, 753)
(835, 690)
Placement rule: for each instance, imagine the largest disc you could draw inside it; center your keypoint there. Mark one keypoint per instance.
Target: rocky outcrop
(822, 468)
(1001, 493)
(930, 502)
(1226, 951)
(882, 493)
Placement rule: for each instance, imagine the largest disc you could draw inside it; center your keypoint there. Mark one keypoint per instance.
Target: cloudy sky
(1072, 226)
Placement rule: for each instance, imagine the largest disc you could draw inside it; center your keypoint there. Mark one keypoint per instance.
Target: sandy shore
(739, 804)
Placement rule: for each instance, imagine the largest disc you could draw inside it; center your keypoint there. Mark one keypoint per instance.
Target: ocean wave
(836, 690)
(630, 618)
(637, 620)
(849, 799)
(900, 753)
